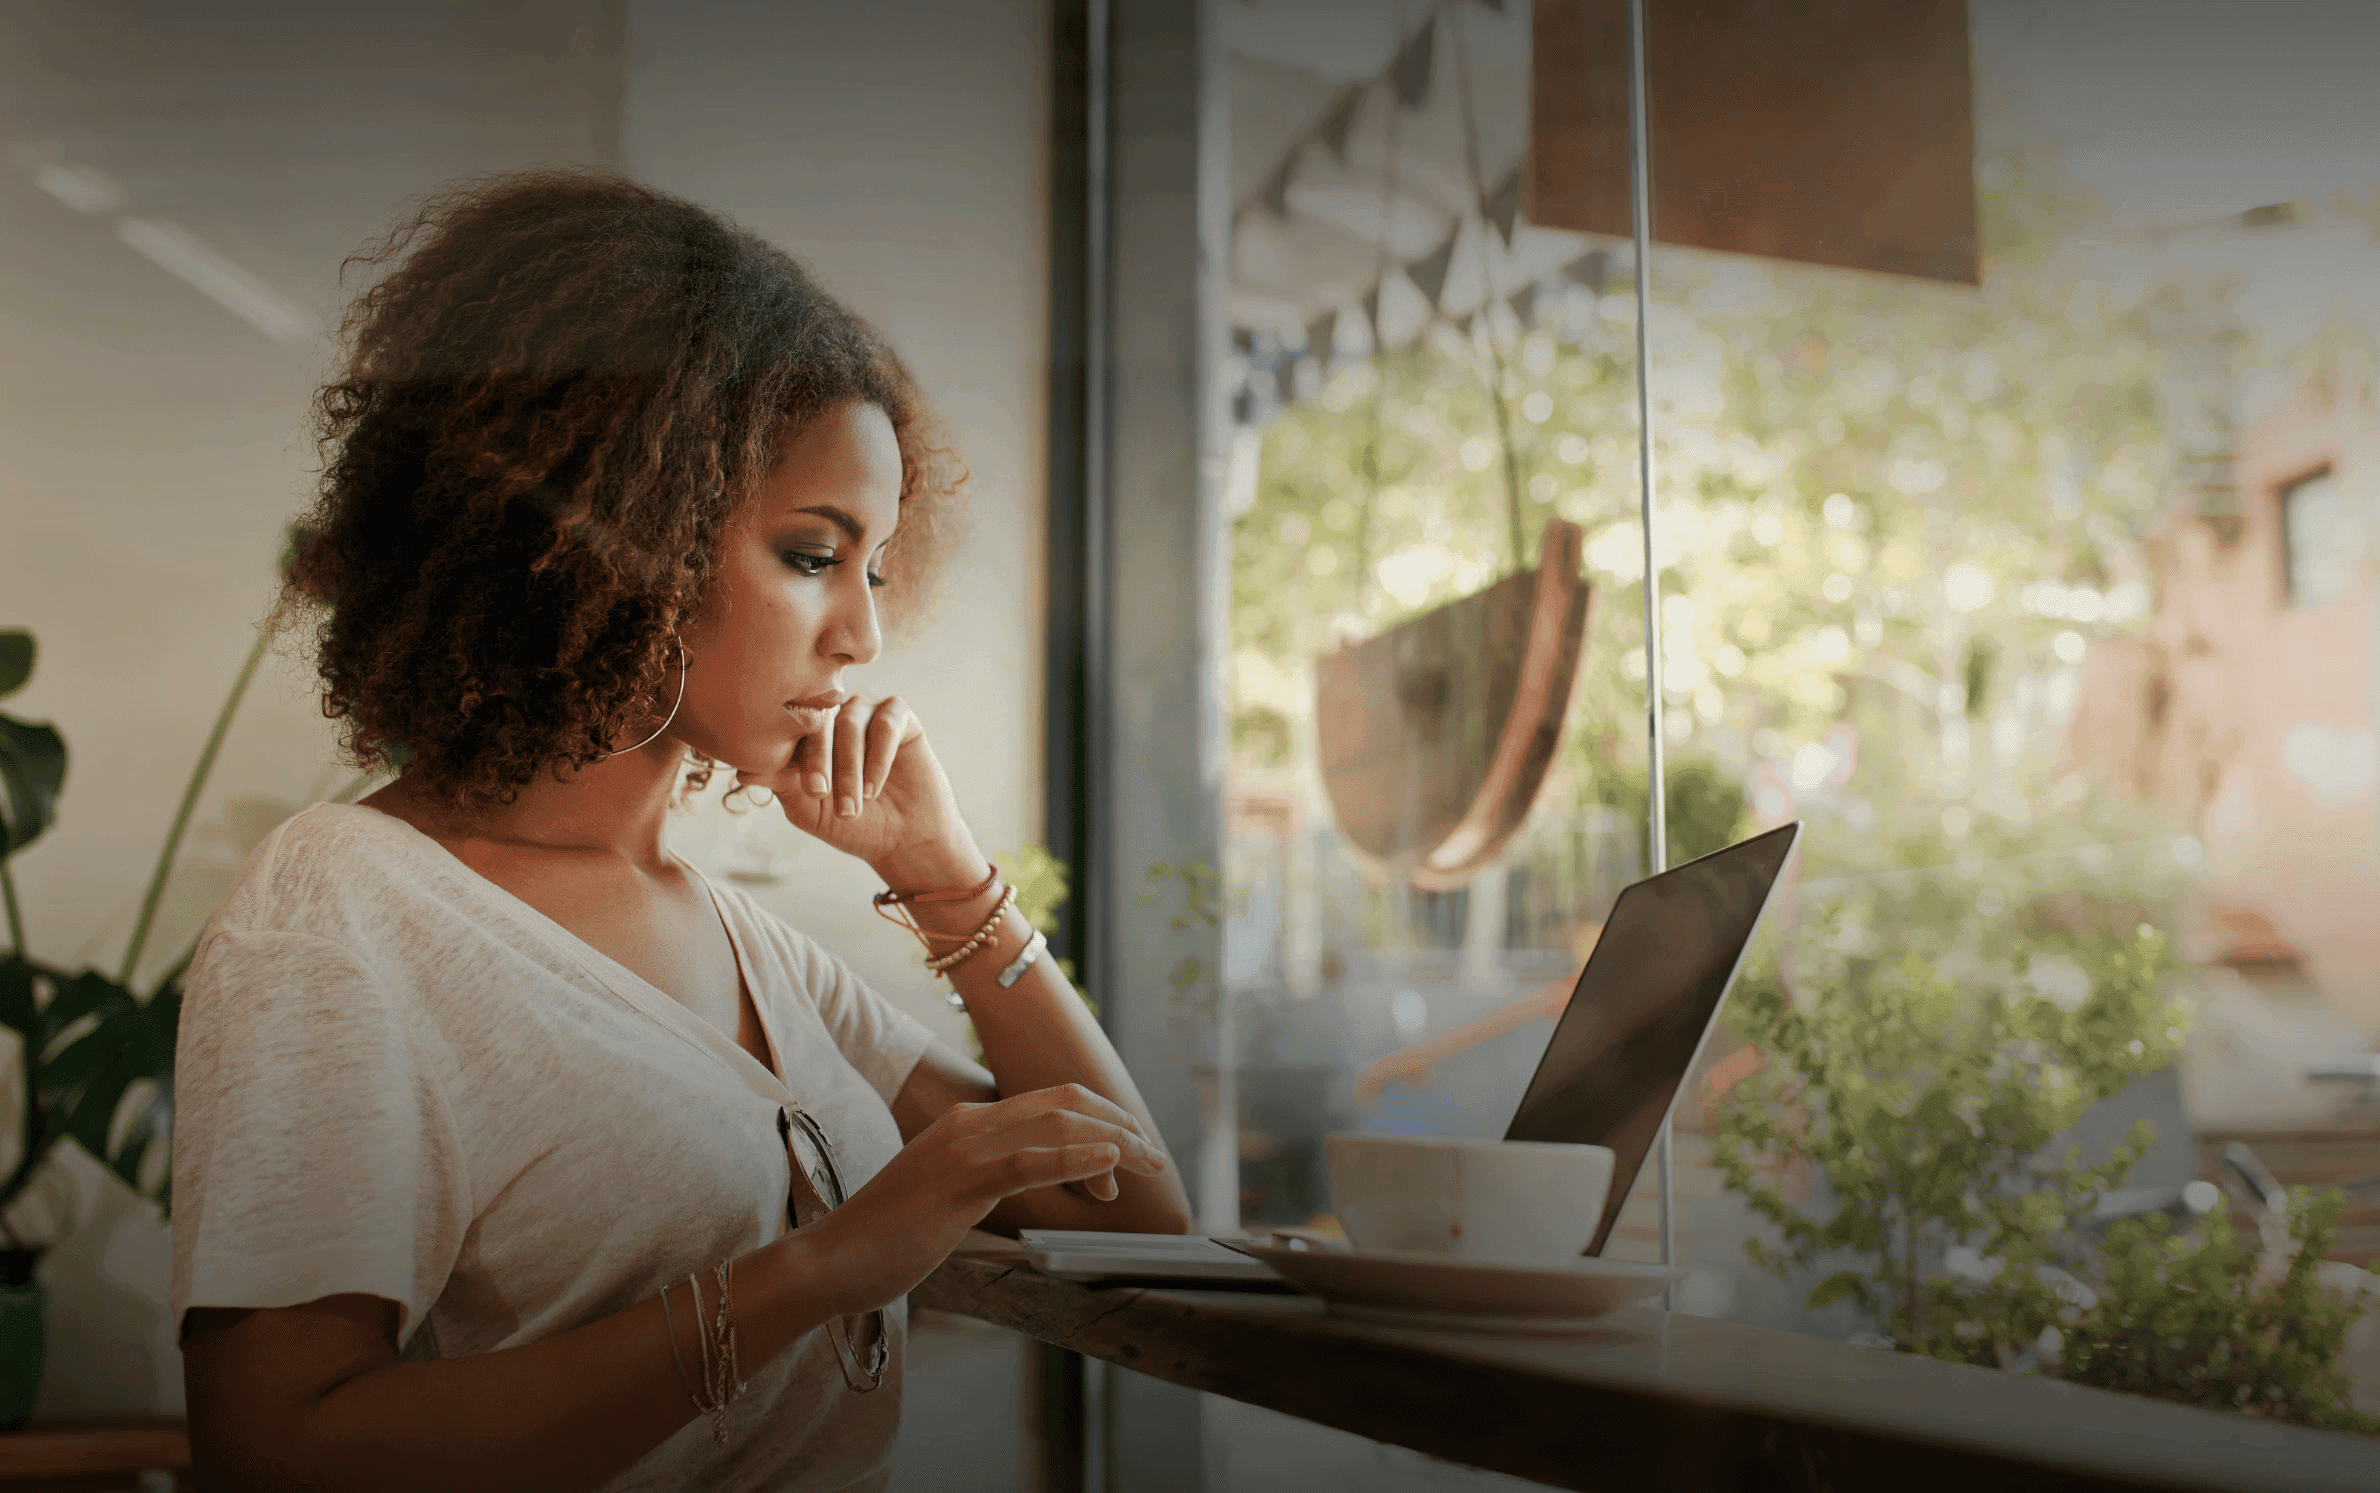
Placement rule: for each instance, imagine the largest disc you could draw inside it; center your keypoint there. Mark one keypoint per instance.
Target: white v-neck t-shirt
(395, 1077)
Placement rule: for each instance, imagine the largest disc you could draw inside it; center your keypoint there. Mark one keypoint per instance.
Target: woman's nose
(853, 636)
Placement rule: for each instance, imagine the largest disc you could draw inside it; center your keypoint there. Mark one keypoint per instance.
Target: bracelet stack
(891, 905)
(715, 1351)
(943, 964)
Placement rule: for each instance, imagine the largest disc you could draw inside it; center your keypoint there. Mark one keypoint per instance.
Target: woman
(509, 1148)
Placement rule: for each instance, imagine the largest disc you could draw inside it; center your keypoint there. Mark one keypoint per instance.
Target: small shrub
(2197, 1318)
(1930, 1107)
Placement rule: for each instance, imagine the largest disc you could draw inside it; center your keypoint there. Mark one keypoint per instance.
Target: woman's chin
(755, 757)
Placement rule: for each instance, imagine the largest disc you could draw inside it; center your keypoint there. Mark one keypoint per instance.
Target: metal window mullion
(1640, 172)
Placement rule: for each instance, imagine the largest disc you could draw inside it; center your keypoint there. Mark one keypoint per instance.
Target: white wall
(152, 445)
(901, 152)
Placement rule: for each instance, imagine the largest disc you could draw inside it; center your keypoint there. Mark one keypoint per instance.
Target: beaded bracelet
(943, 964)
(726, 1385)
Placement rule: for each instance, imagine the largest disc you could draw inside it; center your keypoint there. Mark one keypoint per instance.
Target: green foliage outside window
(1928, 1092)
(1929, 1108)
(2203, 1320)
(1705, 805)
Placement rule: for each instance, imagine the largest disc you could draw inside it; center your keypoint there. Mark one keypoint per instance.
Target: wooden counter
(1652, 1400)
(96, 1456)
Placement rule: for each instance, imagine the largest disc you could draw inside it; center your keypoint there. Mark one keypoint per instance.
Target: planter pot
(24, 1312)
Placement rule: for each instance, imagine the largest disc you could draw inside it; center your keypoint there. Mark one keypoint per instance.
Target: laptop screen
(1644, 1004)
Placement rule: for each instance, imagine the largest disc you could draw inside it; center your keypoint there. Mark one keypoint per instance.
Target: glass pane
(1437, 769)
(2031, 569)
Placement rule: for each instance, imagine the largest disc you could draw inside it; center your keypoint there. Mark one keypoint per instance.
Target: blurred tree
(1883, 502)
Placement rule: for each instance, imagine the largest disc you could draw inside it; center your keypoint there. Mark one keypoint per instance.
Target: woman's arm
(1035, 1034)
(303, 1398)
(875, 790)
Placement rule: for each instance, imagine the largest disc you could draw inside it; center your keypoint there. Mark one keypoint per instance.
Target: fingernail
(816, 783)
(848, 808)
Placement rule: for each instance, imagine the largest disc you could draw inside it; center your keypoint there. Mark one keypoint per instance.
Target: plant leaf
(1836, 1287)
(17, 1012)
(16, 660)
(108, 1060)
(153, 1123)
(79, 996)
(32, 770)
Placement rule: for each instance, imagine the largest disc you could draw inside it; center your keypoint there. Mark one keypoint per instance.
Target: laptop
(1645, 1005)
(1640, 1014)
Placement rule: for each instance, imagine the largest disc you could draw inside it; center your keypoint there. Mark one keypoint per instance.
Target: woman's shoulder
(336, 871)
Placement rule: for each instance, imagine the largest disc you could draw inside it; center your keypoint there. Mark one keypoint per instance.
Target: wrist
(828, 1269)
(949, 866)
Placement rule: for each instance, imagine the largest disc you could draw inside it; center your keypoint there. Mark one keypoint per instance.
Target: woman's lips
(816, 712)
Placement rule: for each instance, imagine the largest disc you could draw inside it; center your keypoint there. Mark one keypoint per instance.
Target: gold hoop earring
(673, 708)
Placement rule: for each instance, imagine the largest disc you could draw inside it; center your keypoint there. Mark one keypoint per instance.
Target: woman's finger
(809, 765)
(1054, 1166)
(851, 744)
(886, 732)
(1081, 1099)
(1066, 1127)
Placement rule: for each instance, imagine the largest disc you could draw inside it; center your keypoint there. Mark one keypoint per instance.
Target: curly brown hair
(548, 411)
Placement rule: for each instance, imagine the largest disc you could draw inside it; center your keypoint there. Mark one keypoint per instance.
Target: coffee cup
(1525, 1203)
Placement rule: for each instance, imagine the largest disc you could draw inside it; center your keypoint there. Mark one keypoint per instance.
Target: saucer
(1410, 1286)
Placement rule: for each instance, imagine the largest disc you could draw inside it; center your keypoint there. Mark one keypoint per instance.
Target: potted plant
(84, 1039)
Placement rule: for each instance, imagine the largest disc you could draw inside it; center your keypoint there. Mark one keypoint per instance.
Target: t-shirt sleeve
(314, 1151)
(875, 1036)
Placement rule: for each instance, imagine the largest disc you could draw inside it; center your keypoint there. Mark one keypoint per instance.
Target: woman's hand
(893, 1232)
(869, 786)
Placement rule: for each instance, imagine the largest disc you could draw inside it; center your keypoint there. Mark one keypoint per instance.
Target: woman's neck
(618, 806)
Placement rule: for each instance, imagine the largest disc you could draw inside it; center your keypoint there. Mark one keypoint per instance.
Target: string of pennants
(1590, 270)
(1408, 78)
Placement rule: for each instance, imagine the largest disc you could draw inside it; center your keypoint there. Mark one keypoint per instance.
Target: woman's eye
(810, 564)
(877, 580)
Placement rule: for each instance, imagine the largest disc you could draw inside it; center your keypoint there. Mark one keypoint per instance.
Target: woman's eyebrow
(850, 526)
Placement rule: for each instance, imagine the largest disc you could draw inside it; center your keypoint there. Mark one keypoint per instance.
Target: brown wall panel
(1834, 132)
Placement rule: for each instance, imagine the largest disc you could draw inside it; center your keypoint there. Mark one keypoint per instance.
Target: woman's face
(793, 599)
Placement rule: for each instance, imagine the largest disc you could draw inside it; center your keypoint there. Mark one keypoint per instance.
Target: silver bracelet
(1035, 947)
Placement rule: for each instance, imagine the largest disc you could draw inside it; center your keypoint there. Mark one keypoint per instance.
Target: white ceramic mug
(1496, 1202)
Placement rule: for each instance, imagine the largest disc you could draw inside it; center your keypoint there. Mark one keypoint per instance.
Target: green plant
(1930, 1107)
(1705, 807)
(2197, 1317)
(1201, 895)
(85, 1039)
(1040, 881)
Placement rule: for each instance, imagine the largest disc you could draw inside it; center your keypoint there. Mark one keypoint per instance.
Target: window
(2324, 540)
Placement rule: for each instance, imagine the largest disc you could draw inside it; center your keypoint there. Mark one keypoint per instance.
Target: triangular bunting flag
(1339, 123)
(1322, 335)
(1588, 270)
(1504, 205)
(1412, 67)
(1523, 302)
(1275, 195)
(1428, 273)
